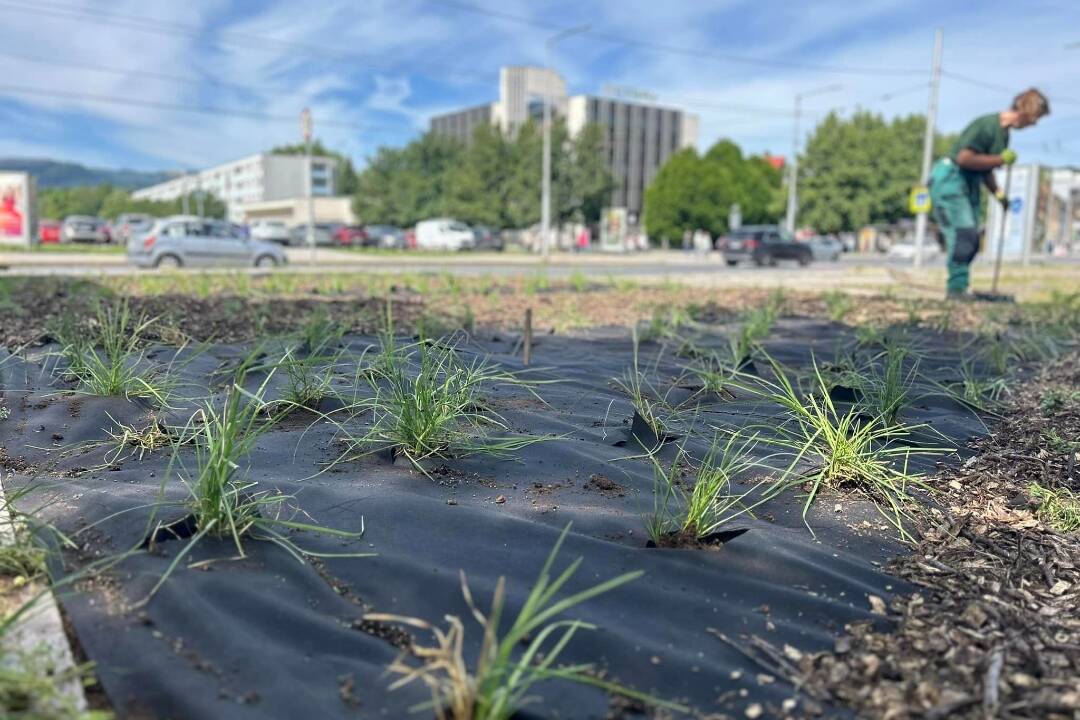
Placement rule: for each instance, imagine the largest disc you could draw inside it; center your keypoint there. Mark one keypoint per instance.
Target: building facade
(254, 179)
(639, 137)
(638, 140)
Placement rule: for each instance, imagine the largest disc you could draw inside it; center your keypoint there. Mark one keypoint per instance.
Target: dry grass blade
(504, 674)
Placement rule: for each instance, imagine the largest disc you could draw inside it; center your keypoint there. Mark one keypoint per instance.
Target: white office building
(640, 137)
(251, 180)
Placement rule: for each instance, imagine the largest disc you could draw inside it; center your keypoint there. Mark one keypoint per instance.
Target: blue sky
(374, 71)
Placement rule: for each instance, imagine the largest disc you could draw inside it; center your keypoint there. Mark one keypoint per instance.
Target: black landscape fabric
(268, 636)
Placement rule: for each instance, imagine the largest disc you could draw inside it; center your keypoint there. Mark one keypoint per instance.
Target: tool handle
(1001, 231)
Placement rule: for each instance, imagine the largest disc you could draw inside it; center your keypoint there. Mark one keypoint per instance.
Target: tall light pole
(545, 187)
(305, 130)
(793, 166)
(928, 144)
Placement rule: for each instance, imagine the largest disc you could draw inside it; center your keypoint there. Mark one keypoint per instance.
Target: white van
(444, 234)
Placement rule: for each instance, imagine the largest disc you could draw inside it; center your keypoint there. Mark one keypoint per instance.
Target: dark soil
(604, 485)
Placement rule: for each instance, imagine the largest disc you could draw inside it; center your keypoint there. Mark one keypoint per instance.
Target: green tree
(404, 186)
(478, 188)
(108, 202)
(591, 181)
(859, 171)
(691, 192)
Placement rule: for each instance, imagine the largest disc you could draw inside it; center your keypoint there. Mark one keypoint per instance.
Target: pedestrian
(956, 179)
(583, 238)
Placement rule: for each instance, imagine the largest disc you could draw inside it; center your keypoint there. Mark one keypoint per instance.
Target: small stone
(838, 508)
(792, 653)
(655, 659)
(451, 501)
(754, 710)
(500, 500)
(877, 605)
(789, 705)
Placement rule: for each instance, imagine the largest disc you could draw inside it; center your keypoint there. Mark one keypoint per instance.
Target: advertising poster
(1020, 218)
(15, 219)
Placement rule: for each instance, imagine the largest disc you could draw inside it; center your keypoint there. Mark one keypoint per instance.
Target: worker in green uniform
(955, 181)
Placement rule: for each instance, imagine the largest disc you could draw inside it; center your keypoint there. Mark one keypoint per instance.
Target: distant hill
(53, 173)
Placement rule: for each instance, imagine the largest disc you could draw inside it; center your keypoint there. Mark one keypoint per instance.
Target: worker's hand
(1008, 156)
(1002, 198)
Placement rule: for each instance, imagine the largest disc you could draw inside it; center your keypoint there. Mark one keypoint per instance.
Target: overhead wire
(197, 109)
(678, 49)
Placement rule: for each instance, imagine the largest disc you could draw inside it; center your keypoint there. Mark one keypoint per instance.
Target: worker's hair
(1032, 103)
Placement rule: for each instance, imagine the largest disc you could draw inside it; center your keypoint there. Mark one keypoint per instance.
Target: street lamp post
(545, 188)
(305, 130)
(793, 166)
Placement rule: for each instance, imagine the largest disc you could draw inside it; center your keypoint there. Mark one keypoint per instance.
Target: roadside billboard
(614, 223)
(16, 201)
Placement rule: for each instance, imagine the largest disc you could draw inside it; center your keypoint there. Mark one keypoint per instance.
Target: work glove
(1008, 156)
(1002, 198)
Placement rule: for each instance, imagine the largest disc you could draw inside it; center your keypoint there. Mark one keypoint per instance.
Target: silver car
(186, 241)
(83, 228)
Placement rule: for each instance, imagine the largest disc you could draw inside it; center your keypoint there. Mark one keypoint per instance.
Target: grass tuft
(106, 359)
(1058, 507)
(509, 663)
(844, 450)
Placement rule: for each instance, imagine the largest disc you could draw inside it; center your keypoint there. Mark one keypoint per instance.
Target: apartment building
(253, 179)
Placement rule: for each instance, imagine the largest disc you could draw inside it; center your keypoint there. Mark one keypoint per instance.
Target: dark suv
(765, 245)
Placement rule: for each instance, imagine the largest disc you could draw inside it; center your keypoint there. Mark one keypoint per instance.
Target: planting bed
(272, 635)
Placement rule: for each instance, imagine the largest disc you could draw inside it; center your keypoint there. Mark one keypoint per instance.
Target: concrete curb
(42, 626)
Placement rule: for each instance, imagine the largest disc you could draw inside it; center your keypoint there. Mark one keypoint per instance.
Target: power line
(232, 38)
(197, 109)
(679, 50)
(132, 72)
(1002, 88)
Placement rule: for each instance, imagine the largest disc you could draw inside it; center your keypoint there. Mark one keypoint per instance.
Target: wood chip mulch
(994, 631)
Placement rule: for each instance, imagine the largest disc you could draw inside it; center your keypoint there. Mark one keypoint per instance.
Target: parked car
(444, 234)
(188, 241)
(487, 238)
(324, 235)
(270, 231)
(83, 228)
(826, 247)
(48, 231)
(764, 245)
(385, 236)
(904, 249)
(350, 235)
(128, 225)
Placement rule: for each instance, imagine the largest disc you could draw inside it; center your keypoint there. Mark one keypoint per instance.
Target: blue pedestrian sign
(1015, 206)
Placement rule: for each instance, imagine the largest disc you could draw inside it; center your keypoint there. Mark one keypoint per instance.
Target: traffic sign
(919, 200)
(1016, 206)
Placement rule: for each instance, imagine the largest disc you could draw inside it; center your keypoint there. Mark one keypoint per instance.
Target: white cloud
(381, 68)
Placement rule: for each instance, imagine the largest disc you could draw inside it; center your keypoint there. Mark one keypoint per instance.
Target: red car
(48, 231)
(350, 235)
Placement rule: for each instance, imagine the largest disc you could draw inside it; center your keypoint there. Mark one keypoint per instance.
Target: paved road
(657, 266)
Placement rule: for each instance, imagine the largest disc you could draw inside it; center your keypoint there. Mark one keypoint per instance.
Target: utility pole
(545, 185)
(928, 144)
(305, 130)
(793, 167)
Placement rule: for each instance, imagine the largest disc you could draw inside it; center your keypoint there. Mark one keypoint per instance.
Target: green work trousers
(955, 207)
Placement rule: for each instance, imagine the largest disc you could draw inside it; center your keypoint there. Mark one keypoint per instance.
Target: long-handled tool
(993, 295)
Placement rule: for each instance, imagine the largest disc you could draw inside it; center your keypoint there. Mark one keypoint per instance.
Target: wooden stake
(526, 348)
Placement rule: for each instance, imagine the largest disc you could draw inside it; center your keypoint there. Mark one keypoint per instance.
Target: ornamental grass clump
(107, 360)
(429, 402)
(512, 660)
(841, 450)
(711, 502)
(222, 501)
